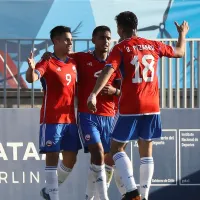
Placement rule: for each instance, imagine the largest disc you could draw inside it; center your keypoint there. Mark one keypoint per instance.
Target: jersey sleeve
(114, 58)
(165, 50)
(115, 78)
(41, 68)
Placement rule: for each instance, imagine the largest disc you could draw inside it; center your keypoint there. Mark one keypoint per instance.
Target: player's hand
(31, 61)
(47, 55)
(91, 102)
(183, 28)
(108, 90)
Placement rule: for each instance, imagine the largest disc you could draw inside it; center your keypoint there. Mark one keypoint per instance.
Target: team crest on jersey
(87, 137)
(58, 69)
(49, 143)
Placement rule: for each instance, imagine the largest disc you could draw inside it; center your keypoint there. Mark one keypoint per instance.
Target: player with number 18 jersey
(137, 59)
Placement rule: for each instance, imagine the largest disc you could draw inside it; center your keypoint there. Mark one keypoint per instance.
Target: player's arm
(110, 90)
(117, 83)
(114, 61)
(101, 82)
(31, 75)
(114, 88)
(48, 55)
(180, 46)
(179, 50)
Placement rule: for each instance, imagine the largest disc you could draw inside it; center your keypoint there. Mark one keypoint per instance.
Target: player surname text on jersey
(143, 47)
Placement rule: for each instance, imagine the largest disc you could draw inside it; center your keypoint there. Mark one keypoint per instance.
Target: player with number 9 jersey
(57, 116)
(58, 81)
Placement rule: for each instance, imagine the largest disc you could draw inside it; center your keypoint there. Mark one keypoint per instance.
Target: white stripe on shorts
(114, 121)
(43, 135)
(80, 133)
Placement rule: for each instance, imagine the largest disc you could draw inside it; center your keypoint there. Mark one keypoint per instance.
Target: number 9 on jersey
(68, 78)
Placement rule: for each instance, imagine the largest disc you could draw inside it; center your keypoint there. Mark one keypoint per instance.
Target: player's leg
(70, 145)
(90, 187)
(119, 183)
(66, 165)
(106, 128)
(50, 136)
(109, 167)
(91, 137)
(146, 167)
(98, 169)
(110, 171)
(108, 124)
(125, 130)
(150, 128)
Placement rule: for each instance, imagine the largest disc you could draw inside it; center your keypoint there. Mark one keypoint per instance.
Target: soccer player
(58, 128)
(96, 129)
(139, 118)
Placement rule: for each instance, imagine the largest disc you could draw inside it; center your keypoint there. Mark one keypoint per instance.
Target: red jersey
(116, 100)
(117, 84)
(58, 79)
(89, 68)
(137, 60)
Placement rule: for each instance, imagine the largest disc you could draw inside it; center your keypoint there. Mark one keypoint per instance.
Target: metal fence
(179, 79)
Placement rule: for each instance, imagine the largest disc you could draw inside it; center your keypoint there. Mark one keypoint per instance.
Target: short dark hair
(58, 31)
(127, 20)
(100, 29)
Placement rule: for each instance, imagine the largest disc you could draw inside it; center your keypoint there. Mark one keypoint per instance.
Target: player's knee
(108, 159)
(69, 159)
(113, 151)
(117, 147)
(97, 154)
(52, 158)
(145, 148)
(97, 157)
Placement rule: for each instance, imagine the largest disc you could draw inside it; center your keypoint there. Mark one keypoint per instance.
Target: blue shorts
(146, 127)
(95, 129)
(59, 137)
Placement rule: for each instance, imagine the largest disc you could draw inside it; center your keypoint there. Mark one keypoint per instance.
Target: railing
(179, 79)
